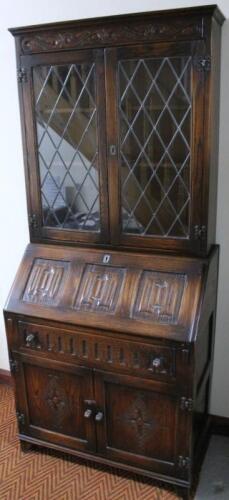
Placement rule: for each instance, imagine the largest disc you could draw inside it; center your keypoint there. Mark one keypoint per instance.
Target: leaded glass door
(155, 163)
(67, 170)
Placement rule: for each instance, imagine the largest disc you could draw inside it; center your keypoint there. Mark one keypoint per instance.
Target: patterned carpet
(43, 475)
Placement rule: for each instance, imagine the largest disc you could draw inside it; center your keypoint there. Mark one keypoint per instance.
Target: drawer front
(140, 359)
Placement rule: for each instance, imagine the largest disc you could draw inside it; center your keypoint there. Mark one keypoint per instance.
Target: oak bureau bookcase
(110, 321)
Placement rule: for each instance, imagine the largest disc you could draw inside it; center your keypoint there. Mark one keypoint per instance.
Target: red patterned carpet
(43, 475)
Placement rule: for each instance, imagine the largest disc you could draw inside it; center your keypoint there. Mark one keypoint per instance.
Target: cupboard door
(52, 398)
(155, 130)
(65, 134)
(142, 424)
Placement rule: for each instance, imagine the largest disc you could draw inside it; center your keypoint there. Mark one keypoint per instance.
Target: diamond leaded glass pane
(155, 137)
(66, 118)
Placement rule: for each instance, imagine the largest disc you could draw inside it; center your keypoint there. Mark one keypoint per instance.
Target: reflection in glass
(155, 137)
(66, 118)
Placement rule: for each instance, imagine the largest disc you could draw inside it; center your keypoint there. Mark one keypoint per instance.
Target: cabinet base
(25, 446)
(183, 488)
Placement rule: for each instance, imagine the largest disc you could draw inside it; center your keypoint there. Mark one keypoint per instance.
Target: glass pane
(66, 118)
(155, 138)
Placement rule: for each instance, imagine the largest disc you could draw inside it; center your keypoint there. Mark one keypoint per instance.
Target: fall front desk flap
(129, 292)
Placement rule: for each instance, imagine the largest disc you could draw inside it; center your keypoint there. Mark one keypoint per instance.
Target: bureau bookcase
(110, 321)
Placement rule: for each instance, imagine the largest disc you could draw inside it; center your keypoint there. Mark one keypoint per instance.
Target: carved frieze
(159, 297)
(45, 282)
(99, 289)
(100, 36)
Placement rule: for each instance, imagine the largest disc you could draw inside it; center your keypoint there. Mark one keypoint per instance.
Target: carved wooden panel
(145, 359)
(159, 297)
(99, 36)
(45, 283)
(99, 289)
(140, 421)
(55, 400)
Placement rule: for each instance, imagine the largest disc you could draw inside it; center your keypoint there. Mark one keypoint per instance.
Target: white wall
(13, 224)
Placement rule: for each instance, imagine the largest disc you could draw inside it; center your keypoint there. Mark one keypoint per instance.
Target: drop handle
(87, 413)
(99, 416)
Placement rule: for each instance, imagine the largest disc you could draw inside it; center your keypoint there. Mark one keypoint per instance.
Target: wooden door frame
(182, 432)
(22, 406)
(38, 232)
(193, 48)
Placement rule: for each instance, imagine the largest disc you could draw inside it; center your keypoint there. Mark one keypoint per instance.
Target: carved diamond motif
(138, 417)
(56, 399)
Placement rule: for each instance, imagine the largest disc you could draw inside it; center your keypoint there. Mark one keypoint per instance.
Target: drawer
(99, 350)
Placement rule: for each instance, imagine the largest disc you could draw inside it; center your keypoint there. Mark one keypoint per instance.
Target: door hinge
(183, 462)
(200, 232)
(186, 404)
(33, 222)
(22, 75)
(13, 366)
(20, 418)
(185, 355)
(202, 63)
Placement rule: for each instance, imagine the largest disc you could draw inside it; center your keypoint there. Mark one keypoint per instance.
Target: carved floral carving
(138, 417)
(115, 34)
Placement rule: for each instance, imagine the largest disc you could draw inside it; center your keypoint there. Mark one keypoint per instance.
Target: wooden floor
(43, 475)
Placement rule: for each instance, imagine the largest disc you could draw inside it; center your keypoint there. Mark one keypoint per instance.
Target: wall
(14, 232)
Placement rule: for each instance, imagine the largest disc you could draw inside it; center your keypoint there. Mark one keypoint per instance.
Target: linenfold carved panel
(159, 297)
(45, 283)
(99, 289)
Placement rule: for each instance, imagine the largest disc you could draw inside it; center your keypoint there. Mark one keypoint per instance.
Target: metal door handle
(99, 416)
(88, 413)
(32, 340)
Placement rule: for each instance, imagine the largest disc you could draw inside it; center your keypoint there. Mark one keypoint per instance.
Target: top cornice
(212, 10)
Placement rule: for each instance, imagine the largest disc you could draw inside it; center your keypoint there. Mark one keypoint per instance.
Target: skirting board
(218, 425)
(5, 377)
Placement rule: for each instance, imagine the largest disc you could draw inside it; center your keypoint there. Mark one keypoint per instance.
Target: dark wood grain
(110, 334)
(195, 33)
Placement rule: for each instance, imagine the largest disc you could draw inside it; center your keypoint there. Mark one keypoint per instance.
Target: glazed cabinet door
(141, 424)
(52, 401)
(64, 129)
(155, 100)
